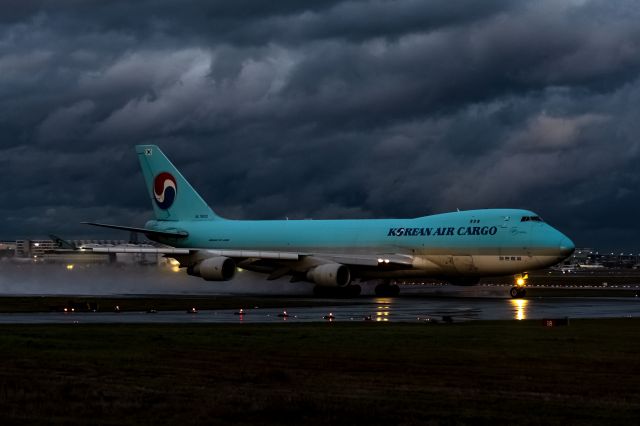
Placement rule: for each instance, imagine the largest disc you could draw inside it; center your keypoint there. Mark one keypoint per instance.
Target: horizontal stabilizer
(180, 234)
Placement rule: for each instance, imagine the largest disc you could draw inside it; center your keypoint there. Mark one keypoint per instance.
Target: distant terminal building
(7, 248)
(583, 255)
(56, 250)
(590, 257)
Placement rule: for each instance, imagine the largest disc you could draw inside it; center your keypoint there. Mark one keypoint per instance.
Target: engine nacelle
(330, 275)
(214, 269)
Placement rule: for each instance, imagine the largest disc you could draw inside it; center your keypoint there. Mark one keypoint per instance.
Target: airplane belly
(497, 265)
(464, 265)
(452, 265)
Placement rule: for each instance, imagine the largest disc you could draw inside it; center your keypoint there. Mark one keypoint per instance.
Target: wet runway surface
(401, 309)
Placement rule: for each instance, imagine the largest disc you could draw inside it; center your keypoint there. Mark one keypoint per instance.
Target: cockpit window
(531, 218)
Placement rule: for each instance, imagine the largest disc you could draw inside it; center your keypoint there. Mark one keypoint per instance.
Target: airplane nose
(566, 246)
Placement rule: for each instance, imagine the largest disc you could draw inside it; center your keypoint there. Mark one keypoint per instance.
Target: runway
(400, 309)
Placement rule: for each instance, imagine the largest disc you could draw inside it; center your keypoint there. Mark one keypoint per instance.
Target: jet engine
(214, 269)
(330, 275)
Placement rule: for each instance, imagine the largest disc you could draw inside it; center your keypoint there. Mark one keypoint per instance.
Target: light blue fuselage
(483, 237)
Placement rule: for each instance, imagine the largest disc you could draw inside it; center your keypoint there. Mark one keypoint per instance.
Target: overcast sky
(323, 109)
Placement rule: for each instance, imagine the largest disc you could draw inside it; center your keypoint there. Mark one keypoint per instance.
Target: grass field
(324, 373)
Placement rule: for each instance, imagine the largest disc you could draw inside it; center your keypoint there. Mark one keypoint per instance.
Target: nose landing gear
(519, 290)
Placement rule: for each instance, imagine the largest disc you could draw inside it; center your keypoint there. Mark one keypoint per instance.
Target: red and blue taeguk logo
(164, 190)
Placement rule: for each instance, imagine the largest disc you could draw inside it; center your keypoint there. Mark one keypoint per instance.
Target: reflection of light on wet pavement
(382, 308)
(366, 309)
(382, 316)
(520, 306)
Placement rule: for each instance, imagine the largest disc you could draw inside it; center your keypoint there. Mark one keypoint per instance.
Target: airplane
(460, 247)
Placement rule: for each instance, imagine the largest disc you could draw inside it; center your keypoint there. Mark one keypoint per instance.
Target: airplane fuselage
(471, 243)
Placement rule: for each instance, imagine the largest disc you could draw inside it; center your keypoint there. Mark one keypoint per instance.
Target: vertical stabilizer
(172, 197)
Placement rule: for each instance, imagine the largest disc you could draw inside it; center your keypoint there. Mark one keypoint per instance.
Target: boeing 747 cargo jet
(460, 247)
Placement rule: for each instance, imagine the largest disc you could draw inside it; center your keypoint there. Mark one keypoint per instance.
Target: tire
(514, 292)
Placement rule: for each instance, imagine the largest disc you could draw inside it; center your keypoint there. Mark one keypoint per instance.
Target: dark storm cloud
(323, 109)
(253, 22)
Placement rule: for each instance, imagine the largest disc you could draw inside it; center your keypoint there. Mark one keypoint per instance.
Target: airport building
(590, 257)
(71, 252)
(31, 248)
(7, 248)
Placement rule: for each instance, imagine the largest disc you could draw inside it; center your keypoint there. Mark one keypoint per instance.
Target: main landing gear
(386, 289)
(519, 291)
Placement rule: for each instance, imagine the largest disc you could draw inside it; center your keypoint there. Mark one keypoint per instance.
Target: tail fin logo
(165, 190)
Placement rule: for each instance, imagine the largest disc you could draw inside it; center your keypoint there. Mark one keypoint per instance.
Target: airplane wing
(352, 260)
(373, 260)
(270, 257)
(237, 254)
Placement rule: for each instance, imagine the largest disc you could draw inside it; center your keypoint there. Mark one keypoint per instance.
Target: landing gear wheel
(387, 290)
(517, 292)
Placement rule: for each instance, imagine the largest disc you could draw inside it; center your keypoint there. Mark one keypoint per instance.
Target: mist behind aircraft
(55, 279)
